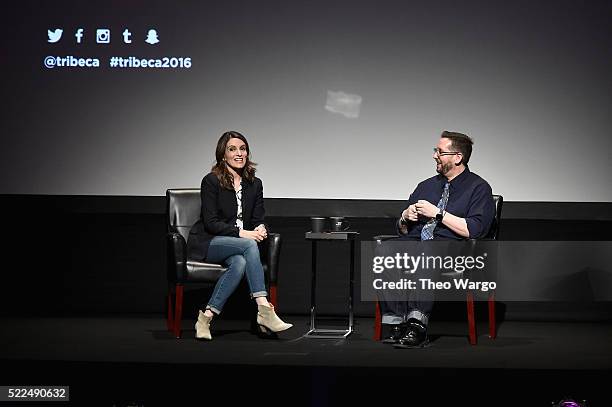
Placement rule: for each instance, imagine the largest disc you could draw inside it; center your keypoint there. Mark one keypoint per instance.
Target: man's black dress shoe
(416, 337)
(395, 333)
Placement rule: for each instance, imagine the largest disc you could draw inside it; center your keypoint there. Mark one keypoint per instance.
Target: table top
(346, 235)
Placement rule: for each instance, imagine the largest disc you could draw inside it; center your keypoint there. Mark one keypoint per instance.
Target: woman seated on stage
(230, 226)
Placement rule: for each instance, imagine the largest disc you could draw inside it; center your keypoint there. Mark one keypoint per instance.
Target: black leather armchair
(492, 235)
(183, 210)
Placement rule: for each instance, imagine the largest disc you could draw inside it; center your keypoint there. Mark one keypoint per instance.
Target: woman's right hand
(257, 235)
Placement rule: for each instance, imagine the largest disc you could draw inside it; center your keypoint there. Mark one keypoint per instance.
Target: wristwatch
(440, 215)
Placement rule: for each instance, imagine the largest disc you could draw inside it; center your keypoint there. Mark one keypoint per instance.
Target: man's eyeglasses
(440, 153)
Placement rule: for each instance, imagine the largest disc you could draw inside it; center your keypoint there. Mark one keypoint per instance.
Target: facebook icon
(79, 35)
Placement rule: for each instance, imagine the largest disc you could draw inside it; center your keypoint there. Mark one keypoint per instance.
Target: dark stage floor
(135, 361)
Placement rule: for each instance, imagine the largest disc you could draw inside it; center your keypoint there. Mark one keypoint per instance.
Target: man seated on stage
(453, 205)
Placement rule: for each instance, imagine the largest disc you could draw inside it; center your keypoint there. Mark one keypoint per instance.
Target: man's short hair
(461, 143)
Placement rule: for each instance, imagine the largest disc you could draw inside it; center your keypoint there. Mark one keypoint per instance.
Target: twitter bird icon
(54, 36)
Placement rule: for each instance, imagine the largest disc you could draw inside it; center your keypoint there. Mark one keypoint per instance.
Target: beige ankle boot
(267, 319)
(203, 327)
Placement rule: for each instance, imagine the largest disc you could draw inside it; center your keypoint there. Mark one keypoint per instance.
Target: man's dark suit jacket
(218, 214)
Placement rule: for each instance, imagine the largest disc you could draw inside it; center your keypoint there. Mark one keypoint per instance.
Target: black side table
(315, 238)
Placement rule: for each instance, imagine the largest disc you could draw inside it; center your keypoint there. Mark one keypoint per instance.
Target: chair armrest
(272, 256)
(382, 238)
(474, 242)
(176, 257)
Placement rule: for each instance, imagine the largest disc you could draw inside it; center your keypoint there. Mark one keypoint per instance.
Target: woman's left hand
(251, 234)
(262, 230)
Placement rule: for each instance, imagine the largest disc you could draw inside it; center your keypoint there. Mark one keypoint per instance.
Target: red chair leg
(471, 319)
(178, 311)
(377, 323)
(492, 326)
(170, 316)
(273, 296)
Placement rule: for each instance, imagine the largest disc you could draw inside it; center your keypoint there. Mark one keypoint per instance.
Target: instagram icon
(103, 36)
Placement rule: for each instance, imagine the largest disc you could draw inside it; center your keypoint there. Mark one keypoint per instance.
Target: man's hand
(410, 213)
(256, 234)
(427, 209)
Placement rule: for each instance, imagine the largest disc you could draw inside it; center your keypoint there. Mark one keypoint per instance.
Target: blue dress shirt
(470, 197)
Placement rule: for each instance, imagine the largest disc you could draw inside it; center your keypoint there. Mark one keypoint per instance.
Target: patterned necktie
(428, 229)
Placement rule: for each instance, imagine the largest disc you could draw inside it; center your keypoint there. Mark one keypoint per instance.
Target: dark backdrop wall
(106, 255)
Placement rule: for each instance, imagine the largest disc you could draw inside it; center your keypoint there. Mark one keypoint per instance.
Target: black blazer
(218, 214)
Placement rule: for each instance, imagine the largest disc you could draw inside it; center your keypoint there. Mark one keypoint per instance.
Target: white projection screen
(338, 99)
